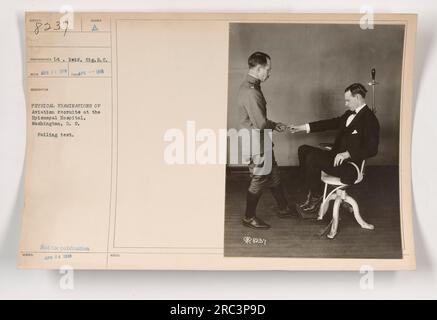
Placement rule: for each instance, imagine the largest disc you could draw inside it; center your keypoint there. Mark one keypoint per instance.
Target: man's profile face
(263, 72)
(351, 102)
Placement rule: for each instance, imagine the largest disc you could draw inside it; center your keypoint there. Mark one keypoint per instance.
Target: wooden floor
(377, 197)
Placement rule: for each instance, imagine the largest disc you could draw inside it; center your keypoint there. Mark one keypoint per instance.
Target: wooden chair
(339, 195)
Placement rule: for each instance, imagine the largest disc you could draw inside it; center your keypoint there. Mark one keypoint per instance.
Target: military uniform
(252, 108)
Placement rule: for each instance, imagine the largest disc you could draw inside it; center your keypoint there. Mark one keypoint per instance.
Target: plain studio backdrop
(227, 285)
(312, 64)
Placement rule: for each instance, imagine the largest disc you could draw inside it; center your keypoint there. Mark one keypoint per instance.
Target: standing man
(357, 139)
(253, 117)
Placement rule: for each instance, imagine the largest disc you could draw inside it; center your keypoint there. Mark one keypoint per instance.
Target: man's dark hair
(258, 58)
(357, 88)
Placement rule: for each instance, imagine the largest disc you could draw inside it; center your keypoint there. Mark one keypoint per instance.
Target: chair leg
(324, 191)
(335, 216)
(357, 215)
(325, 205)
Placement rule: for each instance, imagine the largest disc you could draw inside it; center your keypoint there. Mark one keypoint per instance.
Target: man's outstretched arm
(318, 126)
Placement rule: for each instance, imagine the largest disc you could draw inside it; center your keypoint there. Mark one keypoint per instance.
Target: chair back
(360, 171)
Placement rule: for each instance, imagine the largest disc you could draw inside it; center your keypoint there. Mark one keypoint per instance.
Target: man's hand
(280, 127)
(340, 157)
(296, 128)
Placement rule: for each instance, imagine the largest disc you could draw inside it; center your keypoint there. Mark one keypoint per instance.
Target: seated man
(357, 139)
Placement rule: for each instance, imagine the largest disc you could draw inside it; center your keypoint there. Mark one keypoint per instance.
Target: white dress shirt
(353, 115)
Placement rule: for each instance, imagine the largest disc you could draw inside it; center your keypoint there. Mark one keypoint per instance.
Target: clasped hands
(280, 127)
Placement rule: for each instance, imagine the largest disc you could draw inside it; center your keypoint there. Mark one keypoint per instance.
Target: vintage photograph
(315, 109)
(219, 142)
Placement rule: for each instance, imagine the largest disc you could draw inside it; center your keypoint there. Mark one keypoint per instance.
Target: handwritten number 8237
(39, 27)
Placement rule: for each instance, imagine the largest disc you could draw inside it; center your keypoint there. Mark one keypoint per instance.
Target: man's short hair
(357, 88)
(258, 58)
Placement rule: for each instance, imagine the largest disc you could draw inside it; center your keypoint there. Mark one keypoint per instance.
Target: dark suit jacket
(360, 138)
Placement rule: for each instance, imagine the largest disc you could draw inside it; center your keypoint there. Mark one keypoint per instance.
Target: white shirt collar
(359, 108)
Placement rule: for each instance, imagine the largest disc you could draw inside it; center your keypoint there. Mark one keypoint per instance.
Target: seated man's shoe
(307, 200)
(305, 214)
(255, 223)
(286, 213)
(311, 210)
(313, 204)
